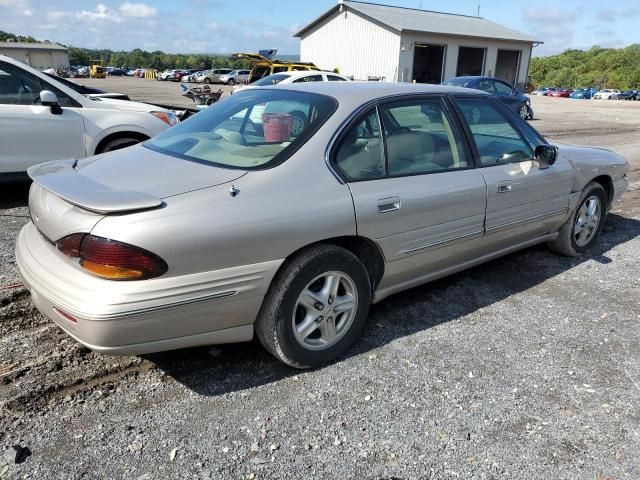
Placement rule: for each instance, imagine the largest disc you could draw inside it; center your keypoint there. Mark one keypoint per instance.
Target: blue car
(584, 93)
(510, 96)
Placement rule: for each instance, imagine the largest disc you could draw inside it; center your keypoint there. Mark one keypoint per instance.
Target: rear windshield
(252, 129)
(270, 80)
(457, 82)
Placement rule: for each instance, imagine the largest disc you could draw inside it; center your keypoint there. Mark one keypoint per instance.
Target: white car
(283, 78)
(42, 120)
(607, 94)
(166, 75)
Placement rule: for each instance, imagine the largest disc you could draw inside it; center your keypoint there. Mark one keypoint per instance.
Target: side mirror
(49, 99)
(545, 155)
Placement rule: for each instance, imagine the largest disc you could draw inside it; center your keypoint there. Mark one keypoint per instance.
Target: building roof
(33, 46)
(402, 18)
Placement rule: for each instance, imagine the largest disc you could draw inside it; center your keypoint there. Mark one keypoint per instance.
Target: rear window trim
(278, 159)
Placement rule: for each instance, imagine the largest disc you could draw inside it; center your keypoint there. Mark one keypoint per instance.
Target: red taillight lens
(111, 259)
(70, 245)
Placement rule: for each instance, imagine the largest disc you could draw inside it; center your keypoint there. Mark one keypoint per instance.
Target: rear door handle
(390, 204)
(504, 187)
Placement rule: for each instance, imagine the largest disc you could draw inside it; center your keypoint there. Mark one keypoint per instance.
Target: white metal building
(379, 42)
(37, 55)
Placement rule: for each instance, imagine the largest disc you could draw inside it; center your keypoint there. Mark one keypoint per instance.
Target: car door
(507, 95)
(29, 132)
(523, 201)
(415, 189)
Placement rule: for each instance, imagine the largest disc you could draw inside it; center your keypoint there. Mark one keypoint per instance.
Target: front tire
(207, 81)
(316, 307)
(524, 111)
(583, 228)
(231, 82)
(117, 144)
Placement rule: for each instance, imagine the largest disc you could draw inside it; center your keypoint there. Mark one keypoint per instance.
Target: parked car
(285, 78)
(299, 266)
(42, 119)
(583, 93)
(178, 75)
(190, 78)
(235, 76)
(509, 95)
(165, 76)
(542, 91)
(213, 76)
(116, 72)
(628, 95)
(90, 92)
(607, 94)
(264, 66)
(560, 92)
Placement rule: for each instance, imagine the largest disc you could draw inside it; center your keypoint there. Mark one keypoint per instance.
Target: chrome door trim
(442, 243)
(527, 220)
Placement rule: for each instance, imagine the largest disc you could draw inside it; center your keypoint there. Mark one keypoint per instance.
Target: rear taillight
(111, 259)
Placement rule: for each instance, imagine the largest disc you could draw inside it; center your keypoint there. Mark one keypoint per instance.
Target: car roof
(361, 92)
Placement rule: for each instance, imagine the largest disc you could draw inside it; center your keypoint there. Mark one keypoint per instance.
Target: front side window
(497, 141)
(270, 80)
(252, 129)
(422, 138)
(360, 153)
(19, 87)
(485, 86)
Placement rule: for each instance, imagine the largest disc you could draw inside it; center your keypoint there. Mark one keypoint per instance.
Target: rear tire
(297, 323)
(207, 81)
(582, 229)
(231, 82)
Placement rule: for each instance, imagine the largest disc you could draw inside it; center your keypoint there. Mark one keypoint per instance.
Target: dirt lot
(524, 368)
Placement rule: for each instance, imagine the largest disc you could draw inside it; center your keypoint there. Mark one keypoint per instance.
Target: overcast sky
(225, 26)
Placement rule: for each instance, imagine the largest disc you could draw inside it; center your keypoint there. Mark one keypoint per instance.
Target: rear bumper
(146, 316)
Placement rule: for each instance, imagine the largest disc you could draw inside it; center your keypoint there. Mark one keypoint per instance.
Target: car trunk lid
(135, 178)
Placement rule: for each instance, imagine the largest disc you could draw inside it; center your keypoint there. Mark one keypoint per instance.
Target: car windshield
(457, 82)
(270, 80)
(253, 129)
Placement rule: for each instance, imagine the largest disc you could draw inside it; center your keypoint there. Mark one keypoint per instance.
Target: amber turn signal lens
(111, 272)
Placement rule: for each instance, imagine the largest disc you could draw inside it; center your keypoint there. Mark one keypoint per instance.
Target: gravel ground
(527, 367)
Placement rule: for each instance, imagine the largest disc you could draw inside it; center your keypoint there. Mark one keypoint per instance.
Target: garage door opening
(428, 63)
(507, 65)
(470, 61)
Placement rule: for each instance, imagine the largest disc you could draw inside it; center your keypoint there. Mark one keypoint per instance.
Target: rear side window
(360, 154)
(422, 138)
(280, 69)
(334, 78)
(309, 78)
(497, 141)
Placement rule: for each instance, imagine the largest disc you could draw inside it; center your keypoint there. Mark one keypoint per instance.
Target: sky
(226, 26)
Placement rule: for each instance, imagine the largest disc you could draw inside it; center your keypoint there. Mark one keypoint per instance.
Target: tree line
(597, 67)
(157, 60)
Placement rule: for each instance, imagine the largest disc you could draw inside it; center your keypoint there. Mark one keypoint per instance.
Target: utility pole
(478, 14)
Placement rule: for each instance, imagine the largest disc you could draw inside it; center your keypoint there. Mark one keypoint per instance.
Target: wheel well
(607, 184)
(139, 136)
(363, 248)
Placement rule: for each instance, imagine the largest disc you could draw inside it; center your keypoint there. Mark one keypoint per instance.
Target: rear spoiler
(62, 179)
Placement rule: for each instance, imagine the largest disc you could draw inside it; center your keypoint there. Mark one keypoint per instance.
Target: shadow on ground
(14, 194)
(237, 367)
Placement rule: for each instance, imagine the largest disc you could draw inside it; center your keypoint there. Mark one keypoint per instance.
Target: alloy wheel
(325, 310)
(587, 221)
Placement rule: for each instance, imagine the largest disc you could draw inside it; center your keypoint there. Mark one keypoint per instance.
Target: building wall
(453, 43)
(354, 44)
(38, 58)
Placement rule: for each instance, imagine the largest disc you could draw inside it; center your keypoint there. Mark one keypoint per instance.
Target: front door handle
(504, 187)
(390, 204)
